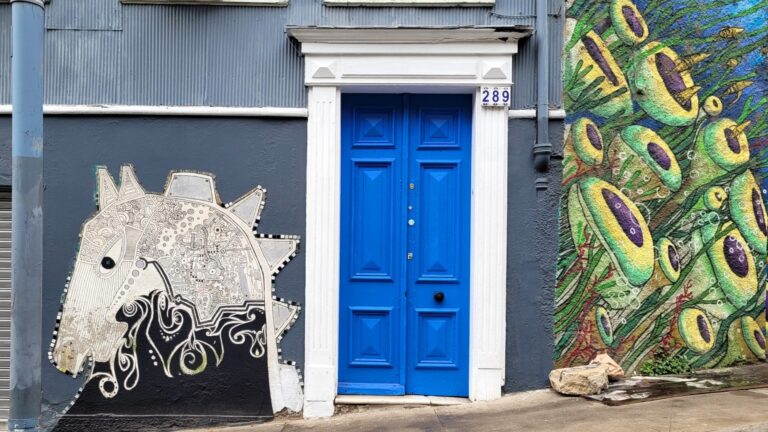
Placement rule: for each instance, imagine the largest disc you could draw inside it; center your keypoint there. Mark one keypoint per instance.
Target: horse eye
(108, 263)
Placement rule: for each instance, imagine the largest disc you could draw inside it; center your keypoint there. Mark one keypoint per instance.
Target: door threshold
(399, 400)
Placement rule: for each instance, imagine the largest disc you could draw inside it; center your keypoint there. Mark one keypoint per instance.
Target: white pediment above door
(408, 56)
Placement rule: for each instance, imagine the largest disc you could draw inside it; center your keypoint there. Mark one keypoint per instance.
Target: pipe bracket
(542, 183)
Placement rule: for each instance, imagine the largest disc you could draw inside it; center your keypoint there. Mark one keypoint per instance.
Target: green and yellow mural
(663, 224)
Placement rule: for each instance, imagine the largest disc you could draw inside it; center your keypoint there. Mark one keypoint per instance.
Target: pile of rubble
(586, 380)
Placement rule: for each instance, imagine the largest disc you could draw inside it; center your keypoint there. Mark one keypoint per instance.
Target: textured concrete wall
(531, 256)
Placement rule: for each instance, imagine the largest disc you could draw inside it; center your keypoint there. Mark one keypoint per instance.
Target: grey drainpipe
(27, 35)
(542, 149)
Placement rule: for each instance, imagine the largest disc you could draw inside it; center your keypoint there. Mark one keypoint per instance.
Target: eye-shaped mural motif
(663, 222)
(175, 287)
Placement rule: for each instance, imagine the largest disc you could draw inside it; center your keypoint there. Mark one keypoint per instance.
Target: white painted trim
(152, 110)
(211, 2)
(321, 301)
(412, 3)
(382, 400)
(556, 114)
(348, 66)
(488, 274)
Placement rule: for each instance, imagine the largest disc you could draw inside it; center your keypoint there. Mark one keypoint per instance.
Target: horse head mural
(182, 274)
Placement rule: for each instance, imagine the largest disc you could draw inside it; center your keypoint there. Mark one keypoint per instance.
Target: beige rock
(612, 368)
(579, 380)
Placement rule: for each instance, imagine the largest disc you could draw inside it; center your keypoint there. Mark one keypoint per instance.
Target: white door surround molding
(396, 61)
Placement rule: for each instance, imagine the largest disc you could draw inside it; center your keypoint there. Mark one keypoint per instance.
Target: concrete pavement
(543, 410)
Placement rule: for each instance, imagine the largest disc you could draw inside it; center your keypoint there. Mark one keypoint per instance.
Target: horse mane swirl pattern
(176, 344)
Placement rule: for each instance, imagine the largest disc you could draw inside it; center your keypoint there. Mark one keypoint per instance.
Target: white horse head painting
(202, 261)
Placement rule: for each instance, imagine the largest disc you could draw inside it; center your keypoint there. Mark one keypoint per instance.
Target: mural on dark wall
(663, 220)
(172, 299)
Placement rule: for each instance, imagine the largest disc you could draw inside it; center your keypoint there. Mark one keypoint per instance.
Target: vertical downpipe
(542, 149)
(27, 35)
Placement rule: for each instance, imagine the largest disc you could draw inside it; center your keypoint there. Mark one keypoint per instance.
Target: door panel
(404, 238)
(439, 211)
(439, 336)
(373, 220)
(372, 279)
(440, 137)
(371, 340)
(439, 128)
(374, 127)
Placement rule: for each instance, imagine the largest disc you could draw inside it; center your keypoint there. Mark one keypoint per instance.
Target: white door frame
(397, 61)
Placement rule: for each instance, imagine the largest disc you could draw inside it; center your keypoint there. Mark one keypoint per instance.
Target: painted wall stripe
(215, 111)
(557, 114)
(139, 110)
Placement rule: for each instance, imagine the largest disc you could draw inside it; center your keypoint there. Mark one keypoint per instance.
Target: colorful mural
(663, 221)
(171, 298)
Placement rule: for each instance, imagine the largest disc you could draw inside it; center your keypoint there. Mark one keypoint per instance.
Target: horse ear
(248, 207)
(129, 184)
(199, 186)
(107, 191)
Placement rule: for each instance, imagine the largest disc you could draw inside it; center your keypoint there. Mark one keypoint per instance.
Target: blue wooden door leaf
(404, 295)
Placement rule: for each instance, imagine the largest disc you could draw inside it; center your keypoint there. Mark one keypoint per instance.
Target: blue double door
(405, 209)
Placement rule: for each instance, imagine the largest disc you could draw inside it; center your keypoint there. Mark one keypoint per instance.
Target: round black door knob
(439, 296)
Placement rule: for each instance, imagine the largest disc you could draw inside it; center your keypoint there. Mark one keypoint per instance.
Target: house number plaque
(495, 96)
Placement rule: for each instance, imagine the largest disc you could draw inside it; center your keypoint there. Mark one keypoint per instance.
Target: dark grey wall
(241, 152)
(5, 151)
(532, 223)
(106, 52)
(272, 152)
